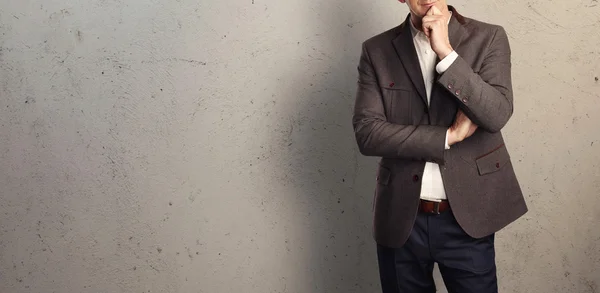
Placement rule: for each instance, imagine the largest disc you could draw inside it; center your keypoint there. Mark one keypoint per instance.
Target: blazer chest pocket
(493, 161)
(397, 103)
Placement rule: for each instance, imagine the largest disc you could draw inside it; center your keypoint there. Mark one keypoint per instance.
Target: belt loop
(436, 208)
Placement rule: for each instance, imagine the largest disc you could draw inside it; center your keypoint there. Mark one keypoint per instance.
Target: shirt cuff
(446, 145)
(446, 62)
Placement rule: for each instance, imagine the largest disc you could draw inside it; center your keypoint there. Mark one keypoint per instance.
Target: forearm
(485, 97)
(377, 137)
(488, 106)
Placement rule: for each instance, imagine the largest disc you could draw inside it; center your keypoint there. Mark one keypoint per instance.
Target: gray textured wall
(206, 146)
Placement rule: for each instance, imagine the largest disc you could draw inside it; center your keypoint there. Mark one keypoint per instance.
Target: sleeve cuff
(446, 62)
(446, 143)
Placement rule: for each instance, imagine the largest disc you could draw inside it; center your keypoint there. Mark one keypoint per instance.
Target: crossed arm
(485, 100)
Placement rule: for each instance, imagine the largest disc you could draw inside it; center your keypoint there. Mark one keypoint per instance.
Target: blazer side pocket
(492, 161)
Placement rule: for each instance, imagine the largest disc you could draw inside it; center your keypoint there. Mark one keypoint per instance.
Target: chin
(420, 12)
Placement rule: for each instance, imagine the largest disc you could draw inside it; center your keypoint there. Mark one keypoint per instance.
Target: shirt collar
(416, 32)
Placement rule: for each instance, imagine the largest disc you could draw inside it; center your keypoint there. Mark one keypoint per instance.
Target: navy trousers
(467, 264)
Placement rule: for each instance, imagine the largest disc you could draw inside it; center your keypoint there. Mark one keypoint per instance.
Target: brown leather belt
(433, 207)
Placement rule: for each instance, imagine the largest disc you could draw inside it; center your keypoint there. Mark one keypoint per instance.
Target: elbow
(497, 124)
(493, 129)
(365, 146)
(367, 134)
(367, 152)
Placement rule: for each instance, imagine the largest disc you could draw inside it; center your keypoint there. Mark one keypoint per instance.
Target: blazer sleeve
(486, 96)
(378, 137)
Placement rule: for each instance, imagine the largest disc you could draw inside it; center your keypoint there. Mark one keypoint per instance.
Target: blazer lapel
(405, 48)
(455, 28)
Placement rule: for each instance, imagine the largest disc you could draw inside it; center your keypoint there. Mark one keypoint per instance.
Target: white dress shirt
(432, 186)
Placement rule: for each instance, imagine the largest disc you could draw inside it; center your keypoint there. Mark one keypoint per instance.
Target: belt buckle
(436, 208)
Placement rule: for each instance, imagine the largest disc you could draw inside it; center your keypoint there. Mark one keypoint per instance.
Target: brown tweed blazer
(392, 121)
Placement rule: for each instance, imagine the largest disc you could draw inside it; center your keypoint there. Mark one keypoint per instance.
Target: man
(433, 95)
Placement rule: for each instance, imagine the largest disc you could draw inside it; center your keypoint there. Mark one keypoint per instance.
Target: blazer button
(497, 165)
(450, 86)
(465, 100)
(416, 178)
(457, 92)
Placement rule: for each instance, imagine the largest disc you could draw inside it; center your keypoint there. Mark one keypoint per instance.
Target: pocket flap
(396, 87)
(492, 161)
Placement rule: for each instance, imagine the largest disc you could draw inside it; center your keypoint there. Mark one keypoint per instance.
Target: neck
(416, 21)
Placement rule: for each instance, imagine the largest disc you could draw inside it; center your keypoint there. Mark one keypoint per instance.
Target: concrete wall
(206, 146)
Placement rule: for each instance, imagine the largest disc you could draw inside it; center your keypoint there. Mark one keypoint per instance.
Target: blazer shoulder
(477, 27)
(382, 39)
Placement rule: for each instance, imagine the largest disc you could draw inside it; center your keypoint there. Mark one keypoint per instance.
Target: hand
(461, 129)
(435, 27)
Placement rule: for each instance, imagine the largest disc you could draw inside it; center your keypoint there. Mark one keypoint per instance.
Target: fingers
(433, 20)
(462, 118)
(463, 127)
(435, 27)
(430, 11)
(429, 22)
(426, 30)
(472, 129)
